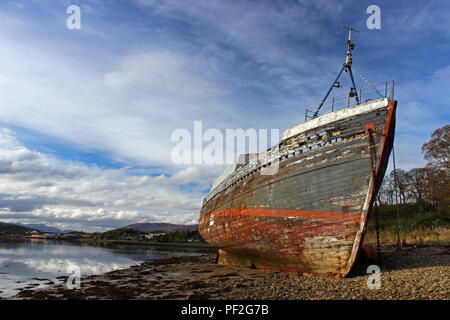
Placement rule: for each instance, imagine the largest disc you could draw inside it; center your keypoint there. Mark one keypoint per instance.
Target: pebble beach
(418, 273)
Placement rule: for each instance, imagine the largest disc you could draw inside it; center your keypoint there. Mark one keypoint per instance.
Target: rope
(377, 226)
(399, 242)
(367, 81)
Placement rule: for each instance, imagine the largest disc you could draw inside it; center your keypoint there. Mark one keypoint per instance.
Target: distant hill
(41, 227)
(13, 228)
(44, 228)
(166, 227)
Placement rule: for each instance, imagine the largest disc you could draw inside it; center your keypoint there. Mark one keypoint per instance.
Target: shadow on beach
(409, 257)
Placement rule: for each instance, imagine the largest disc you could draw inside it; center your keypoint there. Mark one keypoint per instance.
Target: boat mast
(347, 66)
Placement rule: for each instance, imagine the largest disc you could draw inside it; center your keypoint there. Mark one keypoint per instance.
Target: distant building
(39, 236)
(152, 235)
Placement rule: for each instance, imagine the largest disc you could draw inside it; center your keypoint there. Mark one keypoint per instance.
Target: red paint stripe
(307, 214)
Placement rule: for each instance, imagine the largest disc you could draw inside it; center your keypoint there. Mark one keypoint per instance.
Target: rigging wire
(367, 81)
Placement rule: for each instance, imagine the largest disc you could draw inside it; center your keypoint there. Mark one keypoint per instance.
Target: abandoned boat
(310, 214)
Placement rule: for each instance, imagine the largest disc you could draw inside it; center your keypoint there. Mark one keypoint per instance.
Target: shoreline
(412, 273)
(193, 245)
(187, 245)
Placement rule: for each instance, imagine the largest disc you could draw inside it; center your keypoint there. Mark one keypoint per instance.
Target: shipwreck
(311, 214)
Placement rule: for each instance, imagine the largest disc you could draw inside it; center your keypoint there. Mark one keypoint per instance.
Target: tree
(437, 150)
(418, 183)
(386, 193)
(437, 185)
(400, 179)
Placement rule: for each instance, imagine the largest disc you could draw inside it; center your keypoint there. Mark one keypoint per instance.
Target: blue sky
(86, 115)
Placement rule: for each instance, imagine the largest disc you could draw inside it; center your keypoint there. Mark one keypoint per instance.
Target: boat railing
(377, 91)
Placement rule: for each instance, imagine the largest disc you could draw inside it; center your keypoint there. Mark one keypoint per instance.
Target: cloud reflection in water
(24, 264)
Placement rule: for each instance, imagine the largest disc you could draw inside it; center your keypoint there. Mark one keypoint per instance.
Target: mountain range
(146, 227)
(43, 228)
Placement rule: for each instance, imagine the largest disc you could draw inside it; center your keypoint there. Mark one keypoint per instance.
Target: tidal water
(39, 264)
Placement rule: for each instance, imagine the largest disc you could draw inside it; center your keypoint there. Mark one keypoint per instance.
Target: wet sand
(412, 273)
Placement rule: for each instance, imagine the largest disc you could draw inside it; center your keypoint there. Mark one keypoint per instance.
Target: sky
(86, 115)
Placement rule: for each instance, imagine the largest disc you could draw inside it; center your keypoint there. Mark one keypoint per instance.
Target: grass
(436, 236)
(420, 224)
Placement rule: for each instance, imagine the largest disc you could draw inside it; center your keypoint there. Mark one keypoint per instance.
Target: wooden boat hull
(311, 215)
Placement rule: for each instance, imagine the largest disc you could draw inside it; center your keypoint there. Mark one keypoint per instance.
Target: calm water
(30, 264)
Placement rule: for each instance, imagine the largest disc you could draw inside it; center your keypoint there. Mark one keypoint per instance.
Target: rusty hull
(310, 216)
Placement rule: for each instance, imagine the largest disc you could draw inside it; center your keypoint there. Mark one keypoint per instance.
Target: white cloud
(160, 73)
(128, 104)
(129, 110)
(40, 188)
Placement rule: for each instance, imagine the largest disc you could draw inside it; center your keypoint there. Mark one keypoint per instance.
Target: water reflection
(38, 264)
